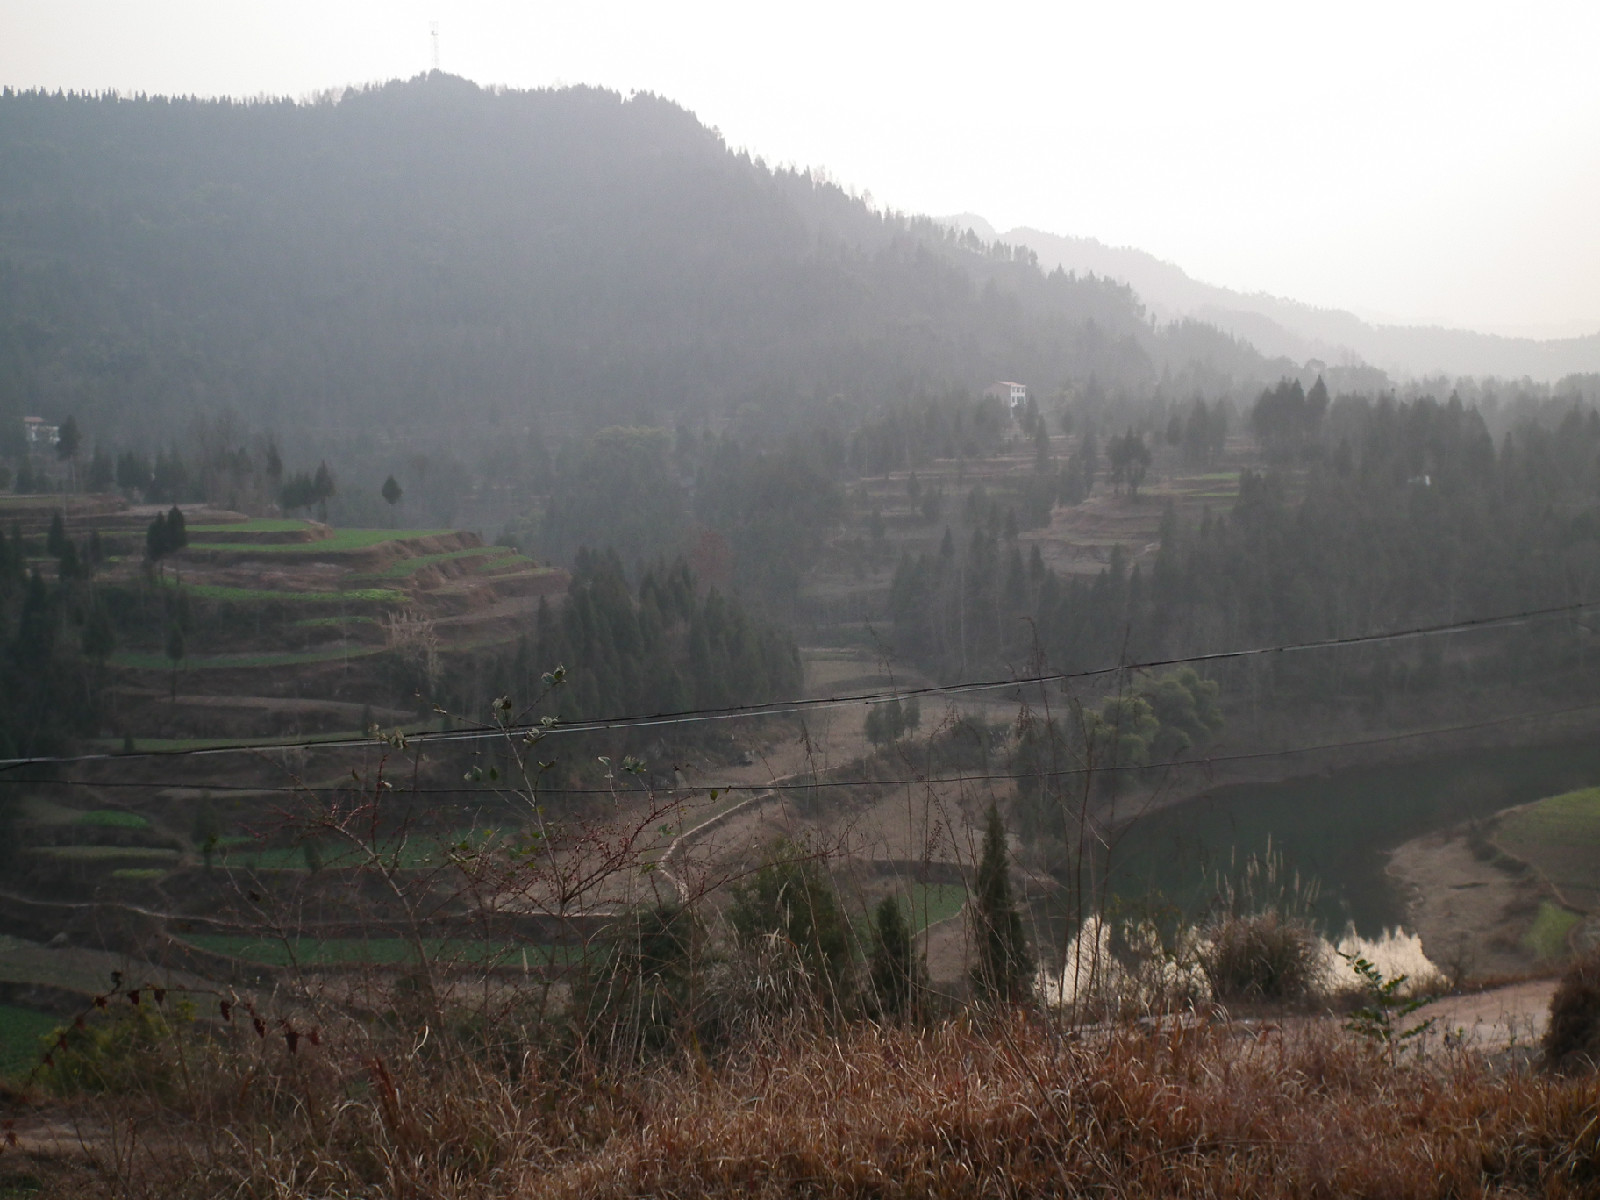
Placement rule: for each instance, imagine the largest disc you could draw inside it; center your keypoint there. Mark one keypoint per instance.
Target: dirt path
(1470, 913)
(1500, 1018)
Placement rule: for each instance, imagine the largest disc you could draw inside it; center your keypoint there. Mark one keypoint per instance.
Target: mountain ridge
(427, 254)
(1282, 327)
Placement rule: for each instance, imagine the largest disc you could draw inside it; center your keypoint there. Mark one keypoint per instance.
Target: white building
(41, 434)
(1014, 394)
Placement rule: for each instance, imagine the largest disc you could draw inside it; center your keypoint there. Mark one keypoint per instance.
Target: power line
(796, 706)
(817, 783)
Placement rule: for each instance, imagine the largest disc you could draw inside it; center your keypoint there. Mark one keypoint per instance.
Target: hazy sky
(1421, 161)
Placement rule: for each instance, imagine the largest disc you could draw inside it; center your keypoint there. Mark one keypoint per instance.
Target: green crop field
(1568, 818)
(342, 541)
(935, 902)
(211, 591)
(110, 818)
(20, 1031)
(1560, 837)
(417, 853)
(332, 622)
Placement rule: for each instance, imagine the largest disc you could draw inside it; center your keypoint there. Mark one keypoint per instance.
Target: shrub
(127, 1051)
(1573, 1036)
(1262, 956)
(638, 994)
(792, 897)
(1261, 944)
(896, 975)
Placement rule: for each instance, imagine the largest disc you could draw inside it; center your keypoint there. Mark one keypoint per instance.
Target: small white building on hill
(1014, 394)
(41, 434)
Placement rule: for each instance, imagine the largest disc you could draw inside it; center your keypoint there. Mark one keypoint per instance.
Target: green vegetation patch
(20, 1032)
(1569, 819)
(420, 852)
(1560, 838)
(1548, 936)
(332, 622)
(935, 902)
(139, 874)
(342, 541)
(111, 818)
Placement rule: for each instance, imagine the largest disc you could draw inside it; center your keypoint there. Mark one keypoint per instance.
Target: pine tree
(56, 539)
(894, 973)
(155, 538)
(69, 440)
(791, 895)
(177, 532)
(1004, 971)
(175, 652)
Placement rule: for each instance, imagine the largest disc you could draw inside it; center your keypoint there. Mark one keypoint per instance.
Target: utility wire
(1206, 762)
(794, 706)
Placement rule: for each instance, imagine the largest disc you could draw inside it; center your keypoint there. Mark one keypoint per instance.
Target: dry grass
(1019, 1108)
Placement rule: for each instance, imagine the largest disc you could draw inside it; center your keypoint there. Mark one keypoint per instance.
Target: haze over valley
(548, 650)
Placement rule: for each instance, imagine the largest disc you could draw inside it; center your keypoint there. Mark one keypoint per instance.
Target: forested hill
(430, 250)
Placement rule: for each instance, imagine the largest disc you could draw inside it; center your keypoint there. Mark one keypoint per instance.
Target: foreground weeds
(1012, 1108)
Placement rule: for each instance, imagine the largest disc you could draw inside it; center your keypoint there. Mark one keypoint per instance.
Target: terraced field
(148, 661)
(336, 541)
(290, 624)
(376, 951)
(243, 595)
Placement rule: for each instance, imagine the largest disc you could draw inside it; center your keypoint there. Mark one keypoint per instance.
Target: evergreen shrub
(1572, 1037)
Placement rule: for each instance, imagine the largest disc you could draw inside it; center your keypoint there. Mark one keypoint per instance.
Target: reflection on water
(1157, 972)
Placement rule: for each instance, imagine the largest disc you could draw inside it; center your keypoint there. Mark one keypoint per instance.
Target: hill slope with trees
(430, 252)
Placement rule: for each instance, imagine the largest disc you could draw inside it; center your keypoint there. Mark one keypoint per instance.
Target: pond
(1335, 829)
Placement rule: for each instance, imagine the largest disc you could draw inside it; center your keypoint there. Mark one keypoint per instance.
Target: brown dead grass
(1019, 1108)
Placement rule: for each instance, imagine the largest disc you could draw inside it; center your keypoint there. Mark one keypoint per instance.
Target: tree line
(662, 645)
(1371, 514)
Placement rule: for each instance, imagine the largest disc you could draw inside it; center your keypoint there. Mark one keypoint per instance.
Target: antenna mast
(433, 31)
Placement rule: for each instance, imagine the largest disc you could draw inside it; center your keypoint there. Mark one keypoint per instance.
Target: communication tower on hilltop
(433, 32)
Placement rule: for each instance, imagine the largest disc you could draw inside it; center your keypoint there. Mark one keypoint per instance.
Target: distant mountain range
(1278, 327)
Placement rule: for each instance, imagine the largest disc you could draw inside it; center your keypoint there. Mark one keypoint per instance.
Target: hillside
(433, 254)
(1286, 328)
